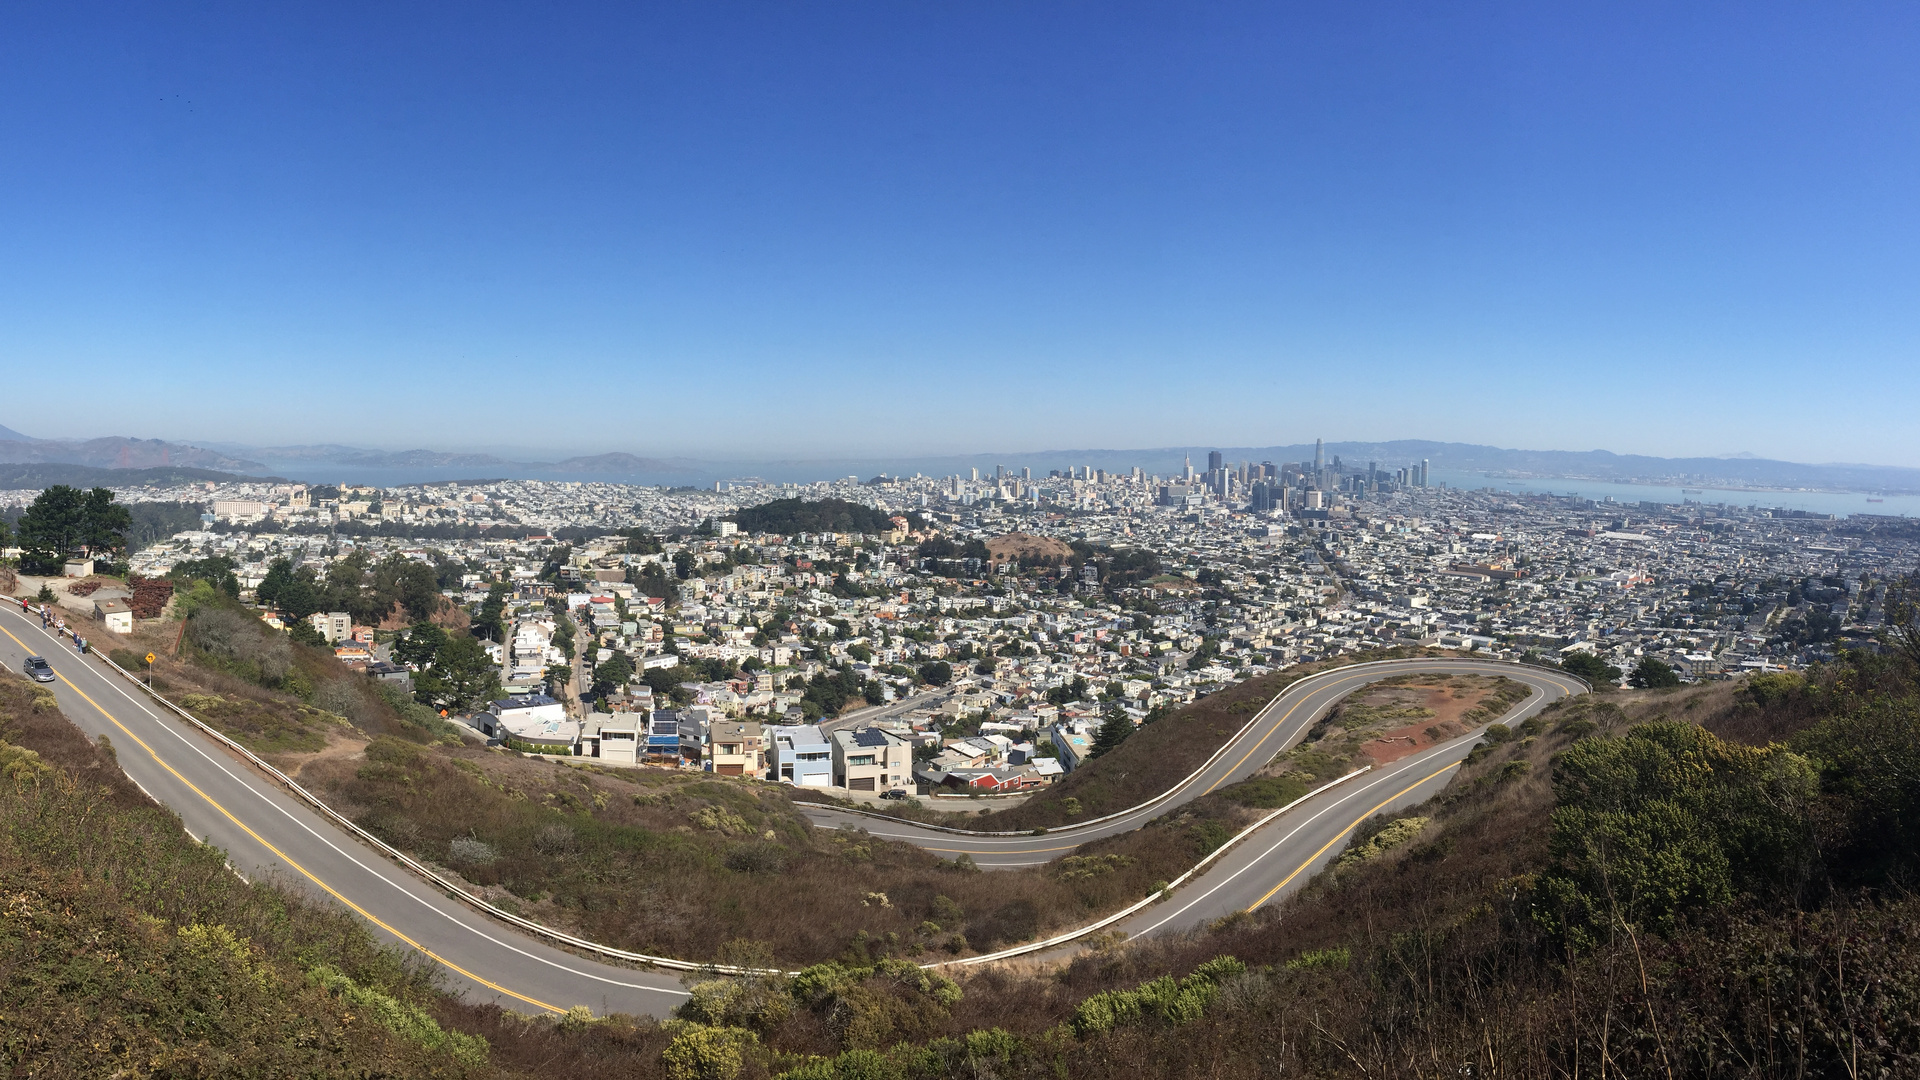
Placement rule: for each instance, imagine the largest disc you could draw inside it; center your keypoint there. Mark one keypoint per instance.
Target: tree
(462, 676)
(215, 570)
(279, 574)
(1591, 668)
(615, 671)
(1073, 691)
(1652, 673)
(491, 620)
(52, 528)
(683, 564)
(301, 596)
(938, 673)
(409, 583)
(420, 645)
(1114, 731)
(106, 524)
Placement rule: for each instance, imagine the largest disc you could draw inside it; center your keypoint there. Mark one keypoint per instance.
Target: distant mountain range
(27, 477)
(116, 453)
(332, 463)
(330, 460)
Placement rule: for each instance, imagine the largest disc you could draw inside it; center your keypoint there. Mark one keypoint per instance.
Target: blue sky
(806, 229)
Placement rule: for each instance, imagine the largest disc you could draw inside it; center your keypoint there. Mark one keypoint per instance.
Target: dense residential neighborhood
(978, 634)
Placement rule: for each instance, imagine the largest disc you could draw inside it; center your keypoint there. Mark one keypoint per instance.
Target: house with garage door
(736, 748)
(871, 760)
(798, 754)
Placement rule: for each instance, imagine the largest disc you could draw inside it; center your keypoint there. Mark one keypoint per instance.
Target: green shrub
(1173, 1002)
(399, 1017)
(1338, 958)
(1391, 835)
(709, 1053)
(1667, 819)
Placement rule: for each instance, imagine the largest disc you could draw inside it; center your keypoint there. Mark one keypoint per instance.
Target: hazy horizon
(738, 231)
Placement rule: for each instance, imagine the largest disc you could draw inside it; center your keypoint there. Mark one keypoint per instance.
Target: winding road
(268, 833)
(1282, 855)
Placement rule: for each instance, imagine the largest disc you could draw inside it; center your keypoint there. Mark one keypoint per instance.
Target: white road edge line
(408, 893)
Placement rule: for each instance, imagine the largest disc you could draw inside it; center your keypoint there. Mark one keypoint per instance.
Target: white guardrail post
(456, 892)
(1157, 895)
(1177, 788)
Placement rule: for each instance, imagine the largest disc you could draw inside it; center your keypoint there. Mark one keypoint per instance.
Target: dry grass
(1157, 756)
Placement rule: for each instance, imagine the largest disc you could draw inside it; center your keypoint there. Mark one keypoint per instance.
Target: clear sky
(790, 228)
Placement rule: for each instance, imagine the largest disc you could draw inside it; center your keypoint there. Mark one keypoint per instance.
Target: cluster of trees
(454, 671)
(64, 522)
(1649, 673)
(368, 591)
(789, 516)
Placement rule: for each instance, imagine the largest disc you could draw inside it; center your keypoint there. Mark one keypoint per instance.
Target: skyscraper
(1319, 461)
(1214, 460)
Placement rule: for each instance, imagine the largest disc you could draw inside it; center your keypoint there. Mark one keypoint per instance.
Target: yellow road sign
(149, 659)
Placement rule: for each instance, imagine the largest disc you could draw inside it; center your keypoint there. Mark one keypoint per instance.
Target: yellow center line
(1276, 727)
(363, 912)
(1345, 831)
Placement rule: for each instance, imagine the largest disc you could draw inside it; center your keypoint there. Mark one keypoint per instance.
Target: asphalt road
(866, 716)
(1275, 728)
(268, 834)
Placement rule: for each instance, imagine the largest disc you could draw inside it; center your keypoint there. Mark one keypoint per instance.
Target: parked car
(37, 669)
(894, 793)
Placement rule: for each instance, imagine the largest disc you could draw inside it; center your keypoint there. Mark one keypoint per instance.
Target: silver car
(37, 669)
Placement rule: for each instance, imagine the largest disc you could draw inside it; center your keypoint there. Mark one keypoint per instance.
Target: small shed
(116, 613)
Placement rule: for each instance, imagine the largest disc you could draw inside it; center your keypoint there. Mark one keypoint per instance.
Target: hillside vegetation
(789, 516)
(1159, 755)
(1708, 881)
(129, 950)
(657, 861)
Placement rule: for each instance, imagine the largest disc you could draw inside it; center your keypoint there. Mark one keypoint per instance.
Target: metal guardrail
(454, 891)
(1155, 897)
(1177, 788)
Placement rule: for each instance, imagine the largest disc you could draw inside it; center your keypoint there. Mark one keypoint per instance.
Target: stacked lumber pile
(86, 587)
(150, 596)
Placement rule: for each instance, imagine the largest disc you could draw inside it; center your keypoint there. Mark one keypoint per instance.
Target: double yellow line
(281, 855)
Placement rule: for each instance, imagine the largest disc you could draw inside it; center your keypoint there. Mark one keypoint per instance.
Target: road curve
(1275, 728)
(269, 834)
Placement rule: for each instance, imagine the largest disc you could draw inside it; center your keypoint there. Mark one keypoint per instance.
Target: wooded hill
(789, 516)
